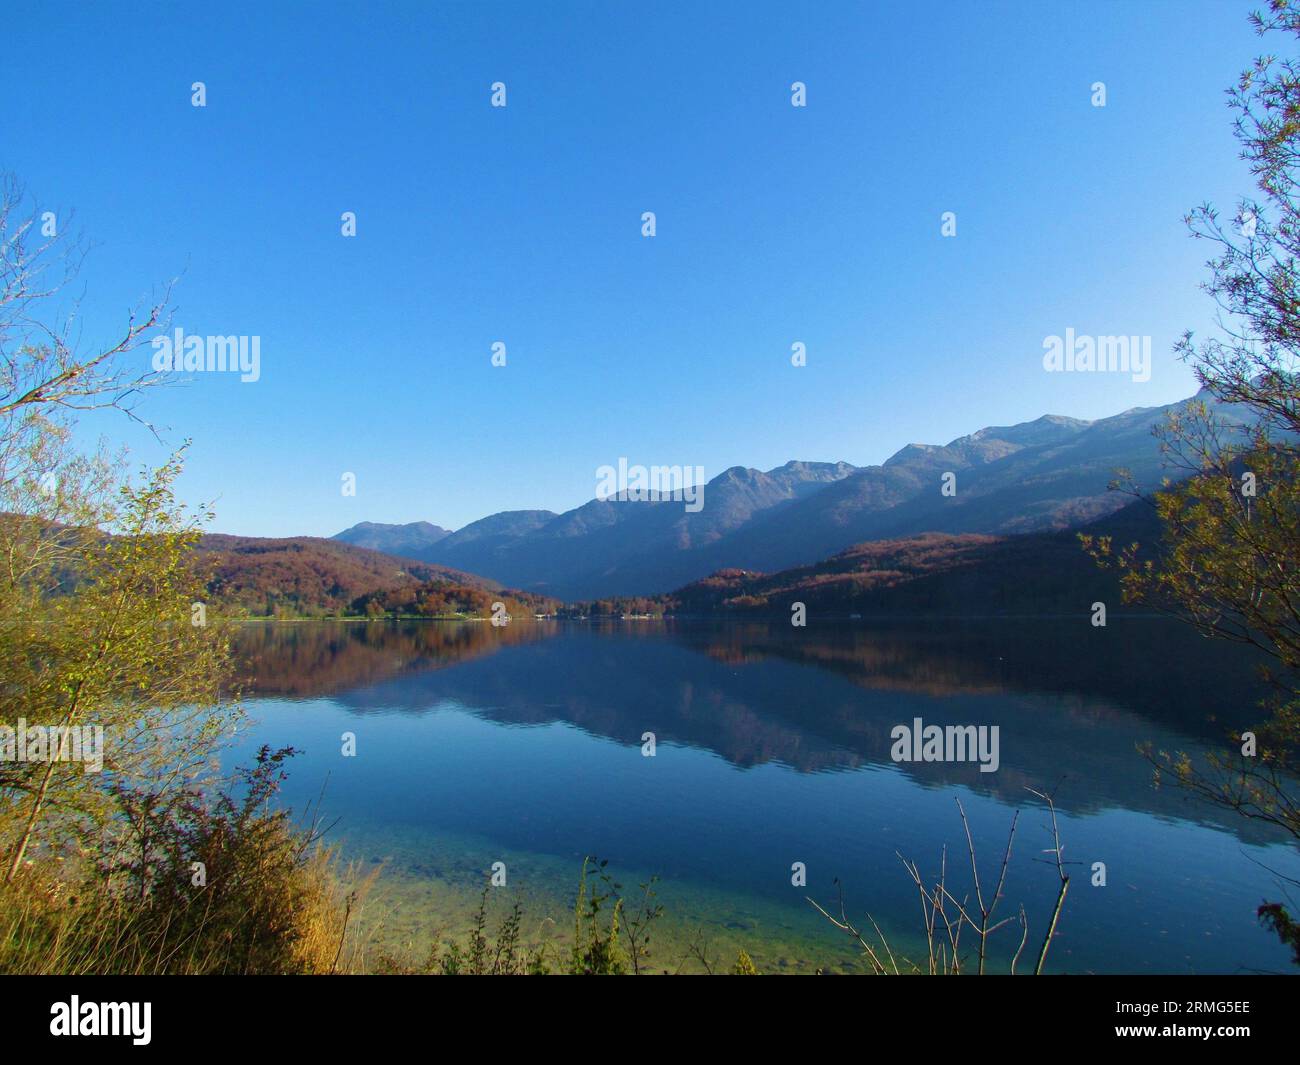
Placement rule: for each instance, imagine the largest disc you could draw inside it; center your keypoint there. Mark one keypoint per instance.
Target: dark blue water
(523, 745)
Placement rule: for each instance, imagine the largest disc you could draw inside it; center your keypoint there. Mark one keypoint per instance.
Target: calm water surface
(523, 745)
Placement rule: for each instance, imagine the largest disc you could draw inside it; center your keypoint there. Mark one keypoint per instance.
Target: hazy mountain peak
(911, 451)
(409, 541)
(995, 441)
(736, 473)
(1046, 426)
(504, 524)
(832, 469)
(424, 527)
(1049, 429)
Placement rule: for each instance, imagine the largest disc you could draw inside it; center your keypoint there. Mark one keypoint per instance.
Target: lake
(524, 745)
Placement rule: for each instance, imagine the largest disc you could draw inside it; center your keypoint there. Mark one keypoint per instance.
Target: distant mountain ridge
(405, 541)
(1048, 474)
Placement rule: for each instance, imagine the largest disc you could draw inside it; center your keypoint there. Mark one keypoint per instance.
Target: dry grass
(302, 923)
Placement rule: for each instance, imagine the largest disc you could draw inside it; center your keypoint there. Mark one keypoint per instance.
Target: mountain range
(1040, 476)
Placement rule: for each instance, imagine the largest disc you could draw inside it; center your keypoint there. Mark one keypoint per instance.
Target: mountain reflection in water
(770, 710)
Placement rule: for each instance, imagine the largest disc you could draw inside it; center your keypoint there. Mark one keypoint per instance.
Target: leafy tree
(1230, 558)
(96, 579)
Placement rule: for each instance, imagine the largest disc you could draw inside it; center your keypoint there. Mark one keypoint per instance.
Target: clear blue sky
(475, 224)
